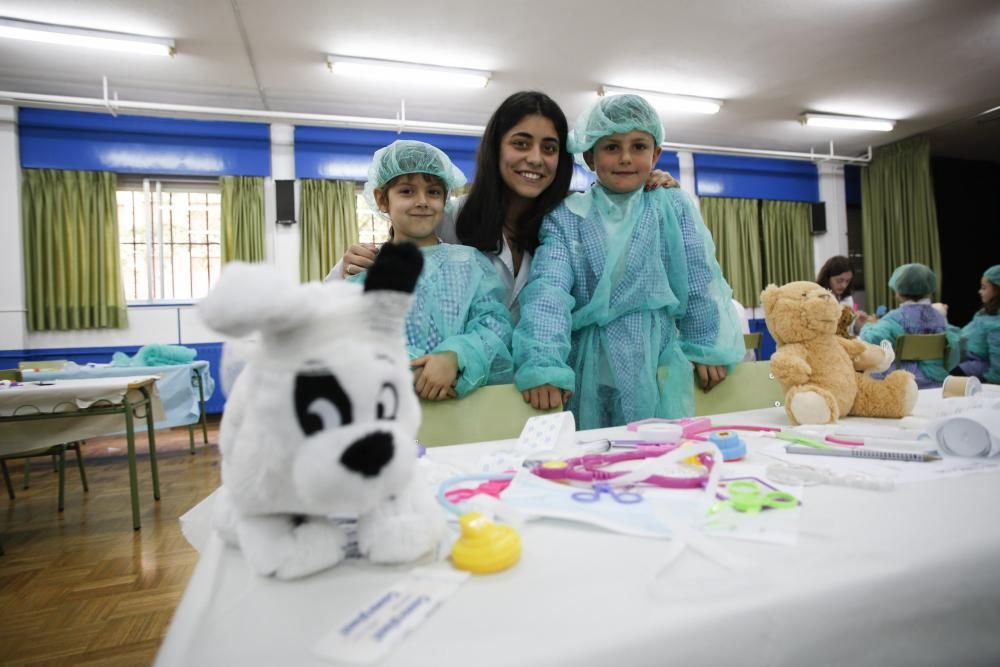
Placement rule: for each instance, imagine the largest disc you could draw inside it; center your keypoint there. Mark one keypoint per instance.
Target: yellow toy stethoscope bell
(485, 547)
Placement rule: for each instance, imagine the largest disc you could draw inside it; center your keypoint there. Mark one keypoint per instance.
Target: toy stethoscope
(590, 468)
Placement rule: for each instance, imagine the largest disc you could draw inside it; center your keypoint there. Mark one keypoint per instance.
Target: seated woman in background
(982, 334)
(914, 284)
(837, 276)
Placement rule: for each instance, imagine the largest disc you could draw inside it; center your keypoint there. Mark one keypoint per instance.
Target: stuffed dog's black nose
(369, 454)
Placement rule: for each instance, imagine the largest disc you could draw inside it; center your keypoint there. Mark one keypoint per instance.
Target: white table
(908, 577)
(34, 415)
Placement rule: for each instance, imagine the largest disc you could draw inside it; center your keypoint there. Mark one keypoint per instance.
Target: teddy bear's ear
(769, 296)
(252, 297)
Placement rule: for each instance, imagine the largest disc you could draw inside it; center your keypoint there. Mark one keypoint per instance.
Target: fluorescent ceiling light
(668, 101)
(83, 37)
(847, 122)
(398, 72)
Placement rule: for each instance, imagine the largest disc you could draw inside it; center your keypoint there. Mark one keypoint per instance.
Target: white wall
(283, 240)
(832, 190)
(12, 311)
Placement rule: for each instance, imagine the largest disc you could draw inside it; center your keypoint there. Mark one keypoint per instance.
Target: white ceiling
(928, 63)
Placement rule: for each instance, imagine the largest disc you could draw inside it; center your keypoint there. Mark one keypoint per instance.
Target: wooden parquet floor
(83, 588)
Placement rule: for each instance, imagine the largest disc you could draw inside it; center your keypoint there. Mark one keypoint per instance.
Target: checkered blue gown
(623, 295)
(459, 305)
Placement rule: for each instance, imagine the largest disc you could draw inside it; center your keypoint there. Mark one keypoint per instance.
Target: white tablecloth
(67, 396)
(904, 577)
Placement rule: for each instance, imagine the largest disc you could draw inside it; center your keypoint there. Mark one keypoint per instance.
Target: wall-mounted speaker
(284, 195)
(818, 218)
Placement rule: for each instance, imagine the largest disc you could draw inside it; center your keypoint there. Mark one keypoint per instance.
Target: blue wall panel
(756, 178)
(344, 154)
(52, 139)
(210, 352)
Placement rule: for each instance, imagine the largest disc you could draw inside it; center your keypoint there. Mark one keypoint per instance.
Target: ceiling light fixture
(400, 72)
(86, 38)
(668, 101)
(847, 122)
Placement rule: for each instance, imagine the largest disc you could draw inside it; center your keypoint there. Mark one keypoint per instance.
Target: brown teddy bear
(819, 371)
(844, 325)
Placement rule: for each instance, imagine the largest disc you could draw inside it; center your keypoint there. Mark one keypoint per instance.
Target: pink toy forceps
(590, 468)
(491, 488)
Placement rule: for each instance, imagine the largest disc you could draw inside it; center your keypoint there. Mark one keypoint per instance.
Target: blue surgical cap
(410, 157)
(992, 274)
(913, 280)
(614, 114)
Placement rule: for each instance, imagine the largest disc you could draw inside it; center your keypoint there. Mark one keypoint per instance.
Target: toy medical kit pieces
(594, 468)
(603, 489)
(372, 631)
(787, 473)
(960, 386)
(861, 453)
(554, 432)
(731, 445)
(746, 495)
(971, 434)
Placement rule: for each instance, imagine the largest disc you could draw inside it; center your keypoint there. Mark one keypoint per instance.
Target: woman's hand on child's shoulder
(710, 376)
(434, 375)
(660, 179)
(359, 258)
(546, 397)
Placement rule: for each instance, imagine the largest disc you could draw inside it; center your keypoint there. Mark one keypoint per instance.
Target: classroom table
(34, 415)
(183, 389)
(905, 577)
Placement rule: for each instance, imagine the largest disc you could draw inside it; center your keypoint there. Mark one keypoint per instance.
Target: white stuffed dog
(321, 422)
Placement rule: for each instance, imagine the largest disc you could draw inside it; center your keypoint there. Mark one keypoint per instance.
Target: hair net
(992, 274)
(614, 114)
(410, 157)
(913, 280)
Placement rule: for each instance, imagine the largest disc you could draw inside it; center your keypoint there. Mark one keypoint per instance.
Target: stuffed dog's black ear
(397, 267)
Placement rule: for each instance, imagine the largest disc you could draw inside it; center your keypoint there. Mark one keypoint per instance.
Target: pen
(861, 453)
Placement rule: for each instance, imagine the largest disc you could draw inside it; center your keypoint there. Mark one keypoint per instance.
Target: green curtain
(328, 225)
(733, 225)
(898, 216)
(788, 246)
(242, 213)
(72, 269)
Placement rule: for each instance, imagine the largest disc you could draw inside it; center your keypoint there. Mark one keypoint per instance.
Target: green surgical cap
(992, 274)
(913, 280)
(614, 114)
(410, 157)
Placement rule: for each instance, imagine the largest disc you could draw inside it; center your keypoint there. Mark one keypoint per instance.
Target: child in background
(458, 330)
(624, 291)
(914, 284)
(982, 334)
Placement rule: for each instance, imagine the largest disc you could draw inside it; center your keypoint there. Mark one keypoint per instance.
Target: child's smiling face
(623, 162)
(415, 204)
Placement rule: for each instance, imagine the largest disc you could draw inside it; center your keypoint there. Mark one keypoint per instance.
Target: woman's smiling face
(529, 156)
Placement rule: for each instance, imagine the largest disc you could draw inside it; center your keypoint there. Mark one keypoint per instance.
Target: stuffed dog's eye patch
(320, 402)
(388, 402)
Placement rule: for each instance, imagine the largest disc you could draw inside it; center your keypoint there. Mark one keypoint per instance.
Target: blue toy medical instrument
(623, 497)
(731, 445)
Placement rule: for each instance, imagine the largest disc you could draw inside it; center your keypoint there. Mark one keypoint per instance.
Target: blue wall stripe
(756, 178)
(344, 153)
(210, 352)
(55, 139)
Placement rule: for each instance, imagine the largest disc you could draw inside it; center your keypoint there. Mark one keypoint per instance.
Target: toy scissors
(746, 495)
(623, 497)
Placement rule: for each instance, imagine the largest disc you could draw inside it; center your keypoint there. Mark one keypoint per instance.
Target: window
(372, 226)
(169, 238)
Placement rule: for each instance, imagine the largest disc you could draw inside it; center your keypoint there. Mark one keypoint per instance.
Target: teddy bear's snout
(369, 454)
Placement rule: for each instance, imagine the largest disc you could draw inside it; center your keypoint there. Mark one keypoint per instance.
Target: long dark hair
(481, 221)
(834, 267)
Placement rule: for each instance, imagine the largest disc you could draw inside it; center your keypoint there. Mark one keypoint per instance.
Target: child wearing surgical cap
(624, 294)
(458, 330)
(982, 335)
(914, 284)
